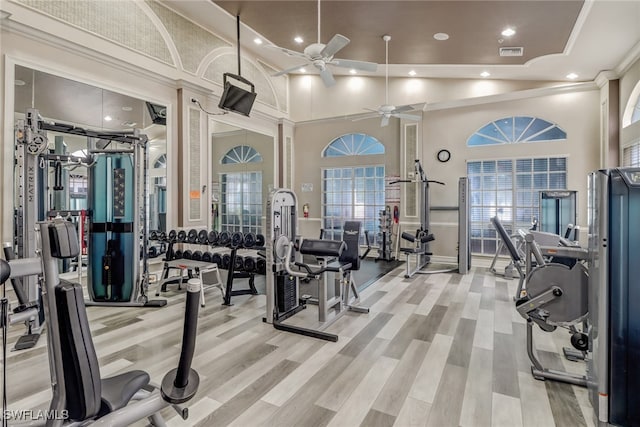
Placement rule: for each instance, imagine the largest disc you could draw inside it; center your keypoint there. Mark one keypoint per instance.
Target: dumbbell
(153, 235)
(239, 263)
(260, 240)
(261, 266)
(237, 239)
(213, 237)
(182, 236)
(177, 254)
(196, 256)
(203, 237)
(172, 236)
(249, 240)
(192, 236)
(224, 238)
(153, 252)
(226, 261)
(186, 254)
(162, 236)
(249, 263)
(217, 259)
(206, 257)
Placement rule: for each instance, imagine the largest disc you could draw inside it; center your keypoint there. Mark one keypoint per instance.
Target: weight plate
(177, 254)
(239, 264)
(182, 236)
(260, 240)
(192, 236)
(224, 238)
(173, 235)
(213, 237)
(197, 256)
(203, 237)
(186, 254)
(153, 252)
(206, 257)
(162, 236)
(153, 235)
(236, 239)
(249, 240)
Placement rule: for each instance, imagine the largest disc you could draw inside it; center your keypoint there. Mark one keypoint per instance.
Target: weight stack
(286, 293)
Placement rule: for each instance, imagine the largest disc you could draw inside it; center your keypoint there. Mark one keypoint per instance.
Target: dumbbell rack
(197, 259)
(386, 222)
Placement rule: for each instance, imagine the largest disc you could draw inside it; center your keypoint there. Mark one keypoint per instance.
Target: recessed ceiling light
(508, 32)
(303, 70)
(441, 36)
(108, 118)
(572, 76)
(412, 73)
(125, 108)
(352, 71)
(19, 82)
(485, 74)
(298, 39)
(257, 40)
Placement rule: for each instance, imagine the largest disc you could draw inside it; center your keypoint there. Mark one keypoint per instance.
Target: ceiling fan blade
(402, 108)
(286, 51)
(371, 109)
(356, 65)
(327, 77)
(406, 116)
(336, 43)
(288, 70)
(385, 121)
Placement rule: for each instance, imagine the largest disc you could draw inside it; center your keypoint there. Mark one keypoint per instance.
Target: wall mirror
(242, 174)
(62, 100)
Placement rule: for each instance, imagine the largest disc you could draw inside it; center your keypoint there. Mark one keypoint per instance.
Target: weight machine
(420, 240)
(614, 296)
(337, 291)
(117, 206)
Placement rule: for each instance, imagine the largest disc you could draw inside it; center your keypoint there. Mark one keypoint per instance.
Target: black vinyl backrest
(80, 363)
(515, 256)
(351, 236)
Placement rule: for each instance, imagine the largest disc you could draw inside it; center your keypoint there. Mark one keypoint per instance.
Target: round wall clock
(444, 155)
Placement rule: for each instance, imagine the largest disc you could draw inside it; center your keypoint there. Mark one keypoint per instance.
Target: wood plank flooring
(435, 350)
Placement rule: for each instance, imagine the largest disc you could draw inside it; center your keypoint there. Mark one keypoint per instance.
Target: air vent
(128, 124)
(511, 51)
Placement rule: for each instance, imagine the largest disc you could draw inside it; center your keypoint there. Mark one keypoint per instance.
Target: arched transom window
(353, 144)
(516, 129)
(241, 154)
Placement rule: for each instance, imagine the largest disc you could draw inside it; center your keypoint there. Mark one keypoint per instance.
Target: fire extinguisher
(305, 210)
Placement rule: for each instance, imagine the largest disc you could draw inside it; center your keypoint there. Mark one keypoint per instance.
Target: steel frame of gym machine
(31, 154)
(72, 359)
(422, 239)
(282, 282)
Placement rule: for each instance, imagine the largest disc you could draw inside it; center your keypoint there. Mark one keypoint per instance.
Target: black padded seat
(118, 390)
(88, 396)
(351, 237)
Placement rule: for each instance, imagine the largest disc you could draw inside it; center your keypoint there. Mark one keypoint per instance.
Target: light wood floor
(435, 350)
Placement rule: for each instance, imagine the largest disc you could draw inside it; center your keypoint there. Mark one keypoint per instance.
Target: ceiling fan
(320, 55)
(386, 111)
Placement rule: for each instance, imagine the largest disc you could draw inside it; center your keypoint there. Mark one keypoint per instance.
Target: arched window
(241, 154)
(241, 192)
(516, 129)
(353, 144)
(353, 192)
(632, 111)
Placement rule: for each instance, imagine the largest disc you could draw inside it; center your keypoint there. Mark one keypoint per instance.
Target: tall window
(510, 190)
(241, 192)
(631, 155)
(353, 192)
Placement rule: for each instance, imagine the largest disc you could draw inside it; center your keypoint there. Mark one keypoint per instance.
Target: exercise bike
(80, 396)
